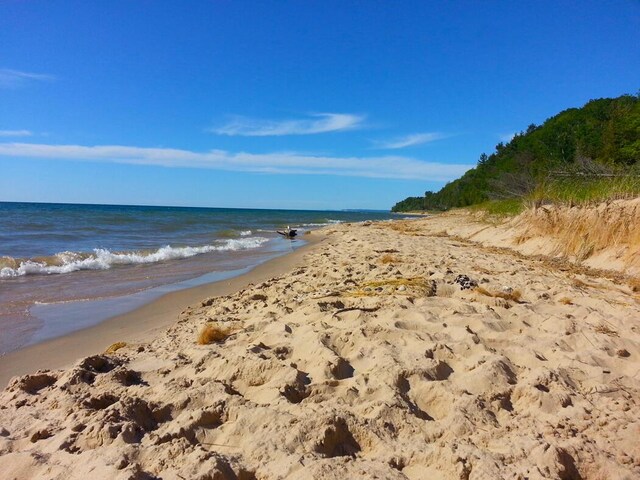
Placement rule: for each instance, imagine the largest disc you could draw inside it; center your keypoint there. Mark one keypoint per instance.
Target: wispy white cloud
(14, 78)
(276, 163)
(15, 133)
(410, 140)
(318, 123)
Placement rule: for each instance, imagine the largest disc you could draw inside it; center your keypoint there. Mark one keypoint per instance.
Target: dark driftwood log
(289, 233)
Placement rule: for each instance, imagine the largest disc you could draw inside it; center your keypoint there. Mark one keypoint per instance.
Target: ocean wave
(103, 259)
(323, 224)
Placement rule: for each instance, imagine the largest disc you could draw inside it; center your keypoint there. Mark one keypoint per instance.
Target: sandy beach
(138, 325)
(391, 350)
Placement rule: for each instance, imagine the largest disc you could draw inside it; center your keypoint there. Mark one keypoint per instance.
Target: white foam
(103, 259)
(245, 233)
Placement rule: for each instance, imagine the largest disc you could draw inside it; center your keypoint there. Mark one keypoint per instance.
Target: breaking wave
(103, 259)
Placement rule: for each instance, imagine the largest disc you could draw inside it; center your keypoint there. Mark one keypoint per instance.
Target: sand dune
(396, 352)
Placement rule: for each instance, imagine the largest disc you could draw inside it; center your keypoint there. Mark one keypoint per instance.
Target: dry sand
(368, 361)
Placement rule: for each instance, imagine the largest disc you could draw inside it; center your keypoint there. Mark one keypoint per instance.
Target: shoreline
(393, 350)
(141, 323)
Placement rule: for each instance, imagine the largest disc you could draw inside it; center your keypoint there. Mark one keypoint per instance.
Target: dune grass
(583, 191)
(566, 191)
(508, 207)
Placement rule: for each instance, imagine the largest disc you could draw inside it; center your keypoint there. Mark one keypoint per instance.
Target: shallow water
(65, 267)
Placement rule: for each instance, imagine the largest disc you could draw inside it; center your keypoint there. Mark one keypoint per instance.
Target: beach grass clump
(388, 258)
(606, 330)
(404, 227)
(513, 296)
(211, 333)
(115, 347)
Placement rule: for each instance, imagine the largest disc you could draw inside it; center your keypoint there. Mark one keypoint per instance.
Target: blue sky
(287, 104)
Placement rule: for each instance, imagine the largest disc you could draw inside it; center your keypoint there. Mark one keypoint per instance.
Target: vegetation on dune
(501, 208)
(580, 155)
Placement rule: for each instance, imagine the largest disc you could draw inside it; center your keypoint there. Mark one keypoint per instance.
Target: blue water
(43, 229)
(60, 261)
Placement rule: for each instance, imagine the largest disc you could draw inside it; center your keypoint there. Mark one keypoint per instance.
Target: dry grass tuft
(580, 284)
(390, 259)
(604, 329)
(212, 333)
(393, 286)
(404, 227)
(514, 296)
(566, 301)
(115, 347)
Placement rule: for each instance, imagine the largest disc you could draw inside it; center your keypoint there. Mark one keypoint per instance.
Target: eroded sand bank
(372, 360)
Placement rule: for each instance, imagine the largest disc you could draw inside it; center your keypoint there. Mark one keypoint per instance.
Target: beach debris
(289, 232)
(512, 295)
(606, 330)
(114, 347)
(465, 282)
(623, 353)
(212, 333)
(395, 286)
(326, 306)
(362, 309)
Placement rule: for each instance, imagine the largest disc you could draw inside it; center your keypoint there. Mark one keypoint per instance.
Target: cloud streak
(15, 133)
(411, 140)
(15, 78)
(318, 123)
(274, 163)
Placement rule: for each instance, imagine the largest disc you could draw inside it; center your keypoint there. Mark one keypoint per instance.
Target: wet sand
(140, 324)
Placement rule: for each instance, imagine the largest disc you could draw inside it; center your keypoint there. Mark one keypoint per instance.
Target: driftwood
(289, 232)
(349, 309)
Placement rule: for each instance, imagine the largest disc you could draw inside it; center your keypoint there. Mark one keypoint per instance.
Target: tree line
(603, 135)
